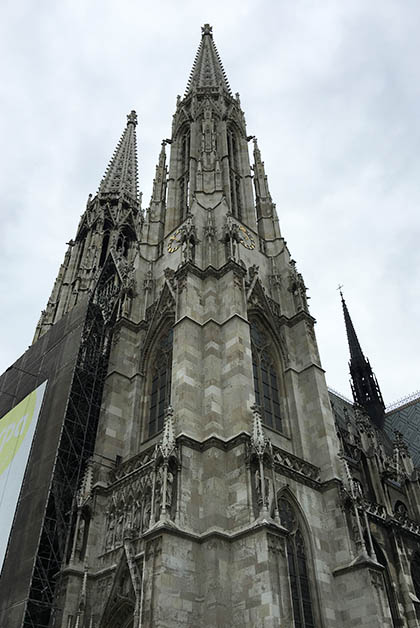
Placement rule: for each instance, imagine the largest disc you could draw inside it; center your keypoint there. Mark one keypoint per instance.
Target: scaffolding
(76, 445)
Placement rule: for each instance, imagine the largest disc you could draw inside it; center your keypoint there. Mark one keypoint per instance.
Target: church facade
(200, 475)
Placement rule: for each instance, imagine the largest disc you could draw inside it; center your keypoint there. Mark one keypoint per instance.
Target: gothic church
(188, 468)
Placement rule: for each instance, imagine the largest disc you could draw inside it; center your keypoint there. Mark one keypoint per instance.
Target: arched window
(184, 176)
(415, 576)
(266, 380)
(161, 374)
(298, 568)
(104, 249)
(388, 583)
(234, 174)
(400, 509)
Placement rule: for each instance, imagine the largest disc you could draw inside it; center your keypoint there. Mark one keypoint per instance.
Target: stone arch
(158, 378)
(382, 559)
(233, 139)
(415, 578)
(120, 606)
(121, 615)
(300, 562)
(183, 170)
(268, 373)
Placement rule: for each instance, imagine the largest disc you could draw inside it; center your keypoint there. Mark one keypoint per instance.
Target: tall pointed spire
(267, 220)
(365, 388)
(207, 70)
(121, 177)
(356, 353)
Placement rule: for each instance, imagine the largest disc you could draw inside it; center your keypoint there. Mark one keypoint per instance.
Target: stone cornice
(215, 532)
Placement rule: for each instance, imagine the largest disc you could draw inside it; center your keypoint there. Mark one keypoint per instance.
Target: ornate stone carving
(231, 237)
(295, 464)
(188, 239)
(297, 288)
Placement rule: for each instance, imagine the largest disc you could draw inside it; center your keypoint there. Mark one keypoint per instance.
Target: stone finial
(132, 118)
(259, 441)
(207, 30)
(168, 443)
(399, 443)
(86, 485)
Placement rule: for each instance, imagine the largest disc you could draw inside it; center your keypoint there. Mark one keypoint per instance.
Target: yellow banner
(14, 427)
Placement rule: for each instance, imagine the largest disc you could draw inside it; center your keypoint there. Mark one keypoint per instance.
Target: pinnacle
(356, 353)
(207, 70)
(120, 178)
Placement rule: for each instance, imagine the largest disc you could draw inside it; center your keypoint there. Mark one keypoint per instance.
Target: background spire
(207, 70)
(364, 385)
(356, 353)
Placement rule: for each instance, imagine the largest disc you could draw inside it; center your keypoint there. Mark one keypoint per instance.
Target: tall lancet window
(234, 173)
(184, 170)
(415, 576)
(297, 561)
(161, 377)
(266, 379)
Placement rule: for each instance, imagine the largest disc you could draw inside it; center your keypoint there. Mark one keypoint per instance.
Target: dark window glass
(161, 383)
(234, 174)
(298, 570)
(266, 384)
(184, 173)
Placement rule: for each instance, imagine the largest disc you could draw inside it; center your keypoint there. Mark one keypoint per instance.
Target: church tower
(211, 486)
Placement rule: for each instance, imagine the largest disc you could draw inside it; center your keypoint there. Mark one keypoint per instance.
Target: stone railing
(136, 463)
(376, 510)
(379, 511)
(408, 524)
(296, 465)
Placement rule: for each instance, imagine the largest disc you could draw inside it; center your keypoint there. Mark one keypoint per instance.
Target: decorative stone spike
(259, 442)
(167, 445)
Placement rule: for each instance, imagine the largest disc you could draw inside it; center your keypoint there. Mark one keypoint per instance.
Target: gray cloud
(332, 93)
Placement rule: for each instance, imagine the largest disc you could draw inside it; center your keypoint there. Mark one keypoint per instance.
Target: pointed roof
(364, 385)
(121, 176)
(356, 353)
(207, 70)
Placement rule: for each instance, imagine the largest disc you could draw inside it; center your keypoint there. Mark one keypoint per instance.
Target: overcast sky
(330, 88)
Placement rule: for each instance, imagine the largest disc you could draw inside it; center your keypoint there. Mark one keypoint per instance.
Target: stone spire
(155, 214)
(207, 70)
(267, 220)
(112, 220)
(365, 388)
(159, 182)
(121, 177)
(262, 191)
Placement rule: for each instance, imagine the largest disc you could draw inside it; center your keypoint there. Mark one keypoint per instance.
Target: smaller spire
(262, 191)
(365, 388)
(259, 441)
(121, 177)
(159, 182)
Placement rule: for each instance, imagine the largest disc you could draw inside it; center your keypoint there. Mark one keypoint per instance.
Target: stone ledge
(363, 561)
(215, 532)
